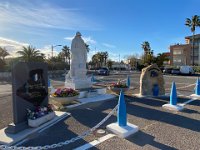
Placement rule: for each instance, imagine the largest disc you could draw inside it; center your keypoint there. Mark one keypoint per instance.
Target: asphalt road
(159, 128)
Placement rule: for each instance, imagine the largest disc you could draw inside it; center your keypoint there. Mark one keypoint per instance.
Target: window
(177, 52)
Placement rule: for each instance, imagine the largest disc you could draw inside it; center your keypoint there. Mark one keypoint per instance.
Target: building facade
(182, 54)
(196, 56)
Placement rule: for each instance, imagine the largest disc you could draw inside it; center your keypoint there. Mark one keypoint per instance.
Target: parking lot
(158, 128)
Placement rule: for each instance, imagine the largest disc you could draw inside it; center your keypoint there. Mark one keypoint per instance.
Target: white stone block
(122, 131)
(173, 107)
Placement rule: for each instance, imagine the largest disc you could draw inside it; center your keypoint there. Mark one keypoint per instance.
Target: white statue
(76, 78)
(78, 57)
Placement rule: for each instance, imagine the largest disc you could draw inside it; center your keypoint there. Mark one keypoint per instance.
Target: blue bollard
(197, 88)
(173, 95)
(92, 78)
(121, 112)
(49, 82)
(128, 82)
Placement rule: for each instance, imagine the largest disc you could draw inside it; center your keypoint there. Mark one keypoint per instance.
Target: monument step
(12, 139)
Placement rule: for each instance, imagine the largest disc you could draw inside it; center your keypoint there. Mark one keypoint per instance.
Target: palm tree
(105, 57)
(109, 64)
(3, 53)
(193, 23)
(147, 50)
(66, 53)
(30, 54)
(95, 60)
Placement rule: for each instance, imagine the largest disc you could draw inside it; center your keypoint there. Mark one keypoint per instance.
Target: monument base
(122, 131)
(15, 128)
(12, 139)
(194, 96)
(173, 107)
(78, 84)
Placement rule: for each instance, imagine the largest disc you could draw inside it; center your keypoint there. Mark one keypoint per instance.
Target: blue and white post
(128, 82)
(173, 100)
(122, 128)
(196, 90)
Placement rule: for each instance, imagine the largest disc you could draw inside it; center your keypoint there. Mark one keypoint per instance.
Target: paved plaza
(158, 128)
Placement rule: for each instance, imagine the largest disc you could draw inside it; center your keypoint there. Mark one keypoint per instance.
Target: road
(159, 128)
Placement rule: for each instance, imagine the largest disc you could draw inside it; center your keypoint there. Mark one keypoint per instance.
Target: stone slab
(11, 139)
(194, 96)
(173, 107)
(124, 131)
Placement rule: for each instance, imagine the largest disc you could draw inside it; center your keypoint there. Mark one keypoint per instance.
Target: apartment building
(181, 54)
(196, 56)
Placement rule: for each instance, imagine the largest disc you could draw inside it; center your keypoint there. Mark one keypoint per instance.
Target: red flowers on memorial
(65, 92)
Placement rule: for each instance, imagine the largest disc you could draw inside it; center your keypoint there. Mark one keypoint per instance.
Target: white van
(186, 70)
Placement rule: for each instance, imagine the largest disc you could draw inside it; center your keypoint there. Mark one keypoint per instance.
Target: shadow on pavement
(142, 139)
(59, 132)
(169, 118)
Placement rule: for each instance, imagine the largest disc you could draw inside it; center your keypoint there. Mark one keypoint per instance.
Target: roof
(190, 37)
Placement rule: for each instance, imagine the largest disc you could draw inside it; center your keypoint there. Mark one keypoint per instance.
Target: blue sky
(116, 26)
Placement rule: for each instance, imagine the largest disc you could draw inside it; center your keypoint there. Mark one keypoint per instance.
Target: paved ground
(159, 128)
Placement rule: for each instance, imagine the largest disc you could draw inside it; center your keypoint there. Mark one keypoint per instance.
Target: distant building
(180, 54)
(196, 56)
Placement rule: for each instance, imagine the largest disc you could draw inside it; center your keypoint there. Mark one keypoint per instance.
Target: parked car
(167, 70)
(175, 71)
(104, 71)
(187, 70)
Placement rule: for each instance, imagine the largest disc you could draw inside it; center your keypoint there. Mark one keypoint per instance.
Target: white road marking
(95, 142)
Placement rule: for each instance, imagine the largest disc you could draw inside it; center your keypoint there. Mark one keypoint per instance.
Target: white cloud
(11, 46)
(43, 16)
(87, 40)
(108, 45)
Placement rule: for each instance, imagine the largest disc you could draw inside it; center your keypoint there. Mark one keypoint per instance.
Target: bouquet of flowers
(39, 112)
(66, 92)
(119, 84)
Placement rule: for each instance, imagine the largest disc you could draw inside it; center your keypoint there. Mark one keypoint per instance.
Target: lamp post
(52, 49)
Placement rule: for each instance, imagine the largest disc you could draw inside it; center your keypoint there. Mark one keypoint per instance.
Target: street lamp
(53, 47)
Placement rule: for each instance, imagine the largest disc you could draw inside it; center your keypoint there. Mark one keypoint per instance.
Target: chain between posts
(60, 144)
(183, 87)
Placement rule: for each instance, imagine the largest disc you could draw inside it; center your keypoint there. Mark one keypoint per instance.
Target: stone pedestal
(78, 84)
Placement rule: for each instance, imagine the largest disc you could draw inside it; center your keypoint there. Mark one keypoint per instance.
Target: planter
(117, 90)
(64, 100)
(37, 122)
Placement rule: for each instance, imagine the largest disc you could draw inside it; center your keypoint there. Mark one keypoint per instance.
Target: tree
(105, 55)
(193, 23)
(146, 48)
(109, 63)
(66, 53)
(3, 53)
(132, 61)
(30, 54)
(148, 53)
(161, 58)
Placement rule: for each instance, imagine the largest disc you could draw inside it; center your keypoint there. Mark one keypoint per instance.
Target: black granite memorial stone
(30, 89)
